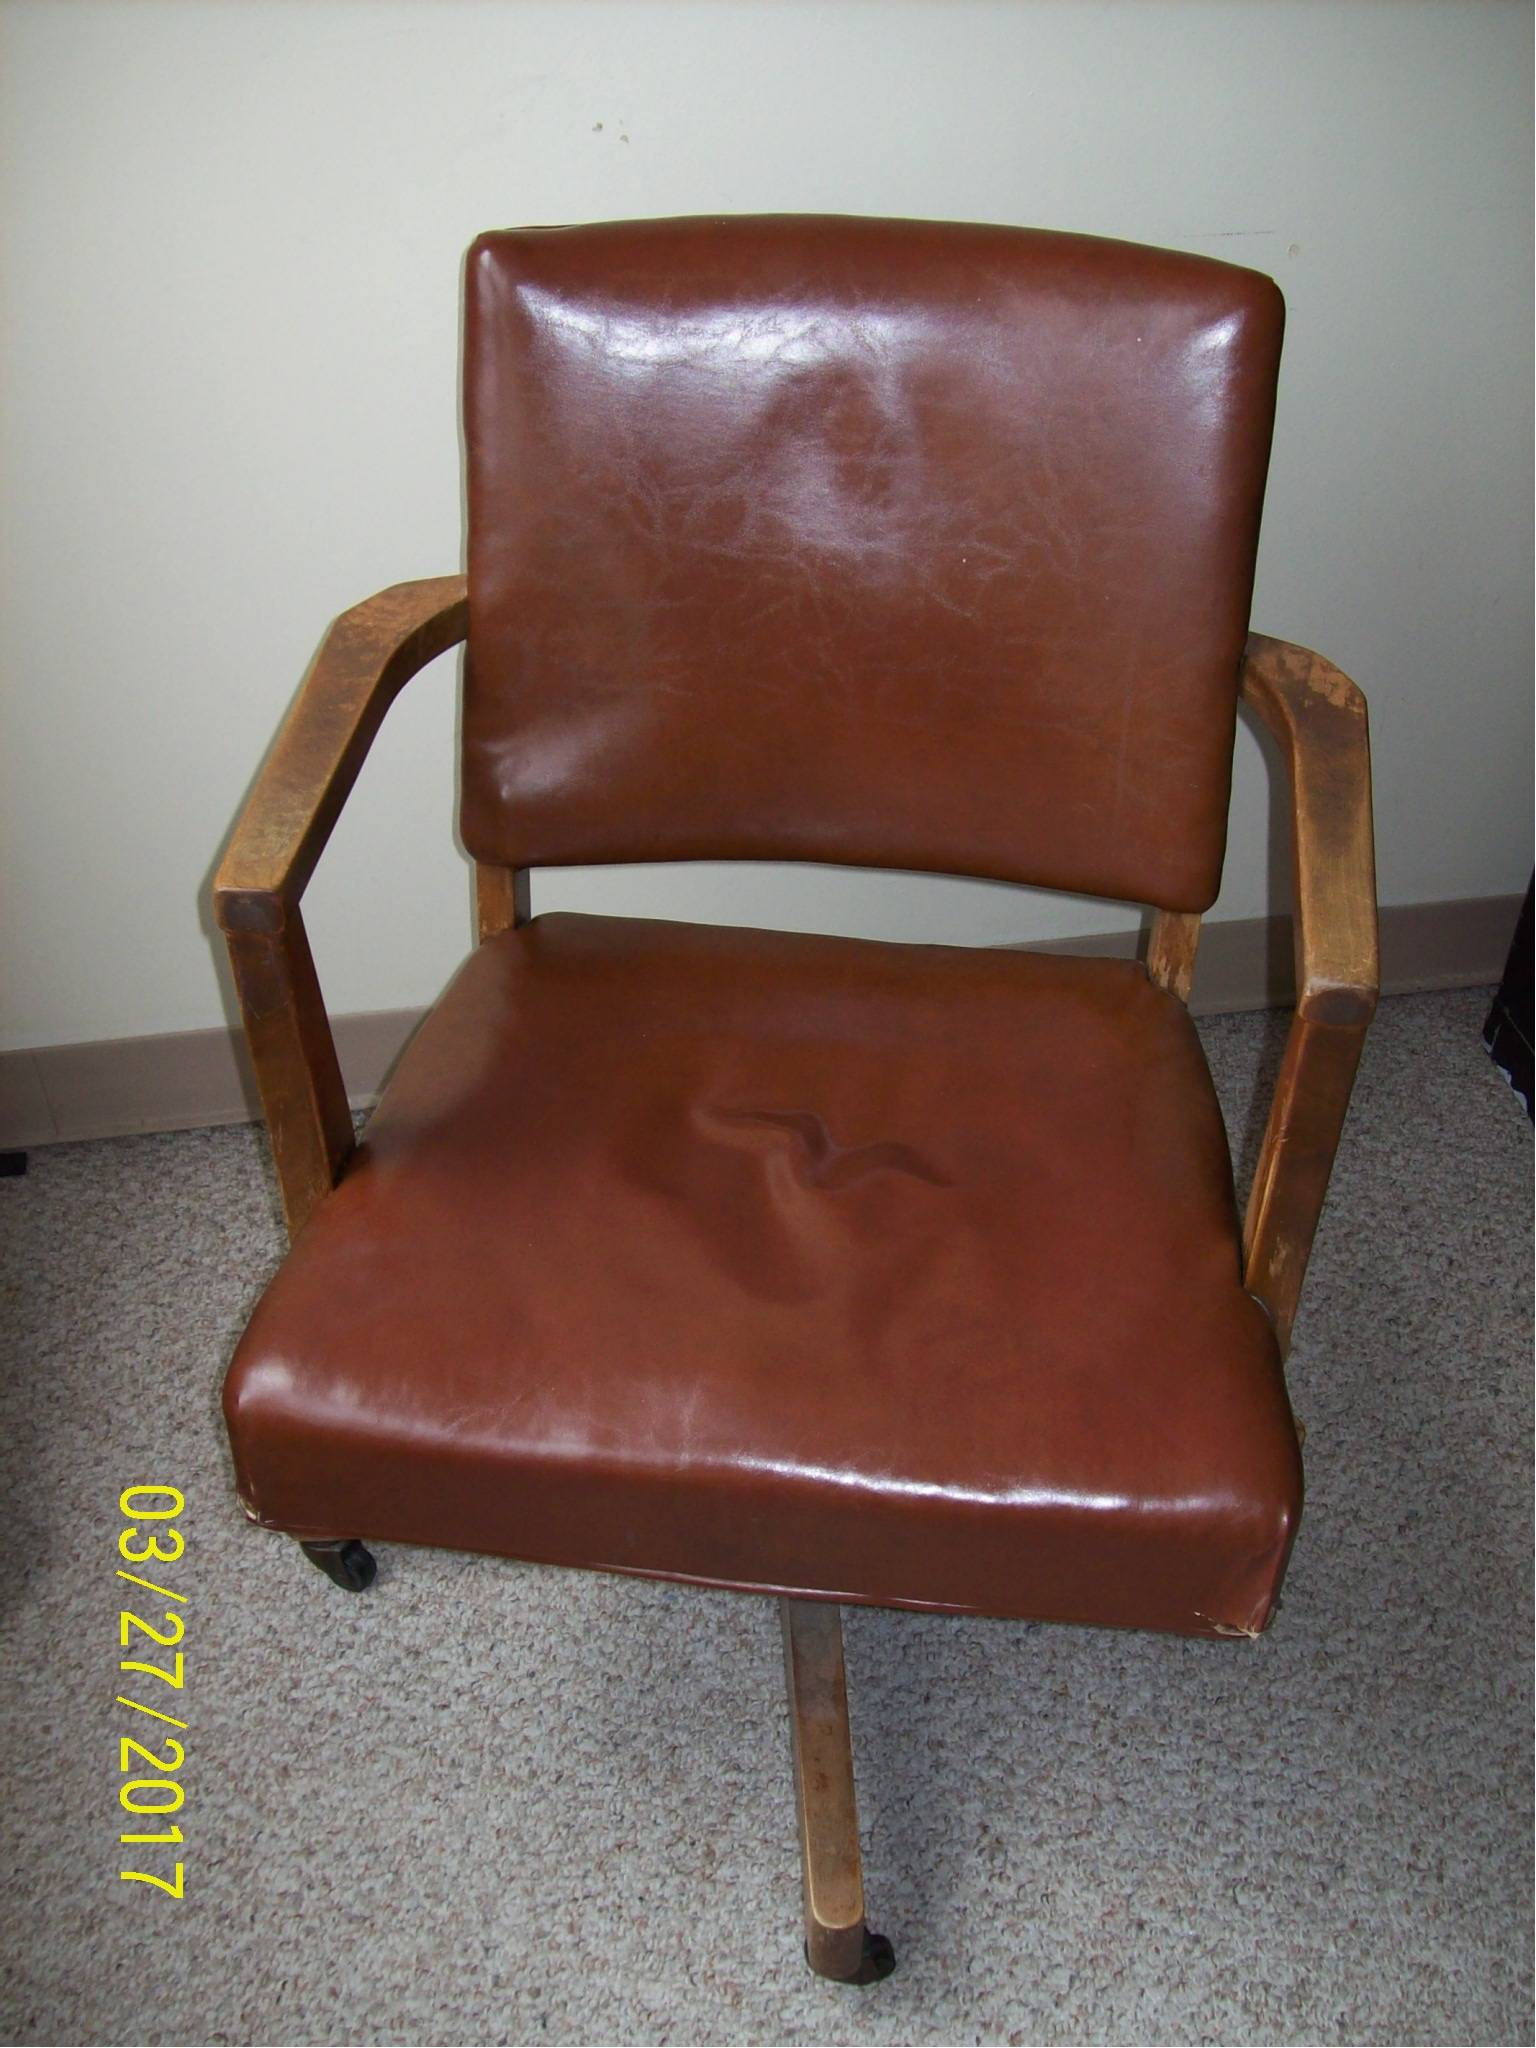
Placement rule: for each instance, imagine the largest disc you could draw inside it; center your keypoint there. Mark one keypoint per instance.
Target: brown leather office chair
(817, 1267)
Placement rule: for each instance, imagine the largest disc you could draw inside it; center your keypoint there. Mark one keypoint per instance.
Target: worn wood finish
(294, 1056)
(1171, 950)
(366, 658)
(501, 899)
(1306, 1117)
(835, 1934)
(1319, 718)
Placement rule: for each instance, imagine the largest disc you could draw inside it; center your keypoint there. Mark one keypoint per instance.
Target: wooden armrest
(365, 660)
(1319, 718)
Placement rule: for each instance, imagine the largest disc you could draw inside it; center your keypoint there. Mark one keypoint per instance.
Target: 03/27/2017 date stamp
(149, 1543)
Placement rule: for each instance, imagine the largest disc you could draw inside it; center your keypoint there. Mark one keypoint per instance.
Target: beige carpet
(490, 1803)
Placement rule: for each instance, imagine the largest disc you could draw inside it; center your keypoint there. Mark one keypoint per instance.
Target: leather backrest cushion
(893, 543)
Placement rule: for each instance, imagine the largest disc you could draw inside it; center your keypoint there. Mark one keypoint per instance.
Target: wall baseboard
(185, 1080)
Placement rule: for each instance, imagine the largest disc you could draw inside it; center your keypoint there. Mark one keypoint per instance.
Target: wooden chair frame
(1317, 715)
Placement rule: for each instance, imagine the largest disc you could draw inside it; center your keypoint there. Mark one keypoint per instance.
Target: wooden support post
(501, 899)
(1171, 951)
(837, 1941)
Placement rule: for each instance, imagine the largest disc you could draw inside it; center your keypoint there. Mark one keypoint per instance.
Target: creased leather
(895, 543)
(904, 1274)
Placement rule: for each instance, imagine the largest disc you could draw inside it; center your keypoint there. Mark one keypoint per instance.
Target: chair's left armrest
(365, 660)
(367, 657)
(1319, 718)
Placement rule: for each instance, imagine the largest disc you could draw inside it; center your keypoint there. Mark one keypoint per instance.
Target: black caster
(879, 1959)
(348, 1565)
(876, 1964)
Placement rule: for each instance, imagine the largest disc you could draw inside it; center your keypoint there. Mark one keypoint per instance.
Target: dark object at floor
(12, 1165)
(1508, 1032)
(349, 1565)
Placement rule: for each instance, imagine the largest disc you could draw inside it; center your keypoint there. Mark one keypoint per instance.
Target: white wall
(232, 238)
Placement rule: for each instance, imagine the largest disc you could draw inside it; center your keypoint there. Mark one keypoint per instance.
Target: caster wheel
(878, 1961)
(348, 1565)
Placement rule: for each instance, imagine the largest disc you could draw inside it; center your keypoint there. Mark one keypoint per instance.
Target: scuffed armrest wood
(1319, 718)
(366, 658)
(1318, 715)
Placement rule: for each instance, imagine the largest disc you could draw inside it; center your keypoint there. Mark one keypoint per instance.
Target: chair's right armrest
(365, 660)
(1319, 718)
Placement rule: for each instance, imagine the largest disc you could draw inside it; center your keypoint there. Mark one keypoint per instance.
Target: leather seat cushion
(896, 1274)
